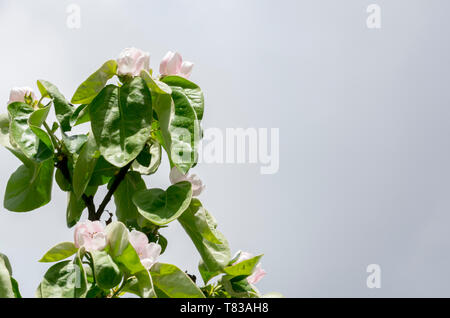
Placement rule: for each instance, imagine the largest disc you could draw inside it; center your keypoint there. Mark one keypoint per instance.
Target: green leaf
(87, 91)
(6, 263)
(62, 181)
(141, 285)
(59, 252)
(107, 274)
(80, 115)
(6, 288)
(30, 186)
(126, 211)
(149, 159)
(238, 287)
(65, 279)
(4, 130)
(75, 207)
(244, 268)
(103, 172)
(24, 135)
(171, 282)
(161, 207)
(121, 249)
(180, 129)
(38, 117)
(191, 90)
(73, 143)
(85, 165)
(121, 120)
(63, 108)
(15, 288)
(210, 243)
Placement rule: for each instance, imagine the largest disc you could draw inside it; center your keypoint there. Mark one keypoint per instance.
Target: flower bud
(19, 94)
(172, 64)
(132, 61)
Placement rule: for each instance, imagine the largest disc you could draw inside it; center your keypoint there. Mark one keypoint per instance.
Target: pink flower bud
(17, 94)
(172, 64)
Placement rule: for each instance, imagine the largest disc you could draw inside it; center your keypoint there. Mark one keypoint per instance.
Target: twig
(117, 180)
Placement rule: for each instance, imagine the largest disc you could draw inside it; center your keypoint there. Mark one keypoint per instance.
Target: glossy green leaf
(80, 115)
(171, 282)
(126, 211)
(87, 91)
(238, 287)
(210, 243)
(121, 249)
(85, 165)
(121, 120)
(74, 143)
(15, 288)
(161, 207)
(107, 274)
(59, 252)
(38, 146)
(64, 280)
(103, 172)
(6, 288)
(149, 159)
(141, 285)
(62, 182)
(244, 268)
(180, 129)
(38, 117)
(63, 109)
(191, 90)
(75, 207)
(4, 130)
(29, 187)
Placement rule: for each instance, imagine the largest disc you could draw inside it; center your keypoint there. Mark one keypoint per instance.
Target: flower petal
(174, 64)
(176, 176)
(186, 69)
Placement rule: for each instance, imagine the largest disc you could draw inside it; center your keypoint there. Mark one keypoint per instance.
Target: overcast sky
(363, 115)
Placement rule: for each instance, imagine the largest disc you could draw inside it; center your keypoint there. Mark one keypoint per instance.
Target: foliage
(130, 120)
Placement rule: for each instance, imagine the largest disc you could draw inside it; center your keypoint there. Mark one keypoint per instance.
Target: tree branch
(63, 167)
(117, 180)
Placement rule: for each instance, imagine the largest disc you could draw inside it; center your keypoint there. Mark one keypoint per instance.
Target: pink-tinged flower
(132, 61)
(173, 64)
(18, 94)
(258, 272)
(197, 184)
(148, 252)
(90, 235)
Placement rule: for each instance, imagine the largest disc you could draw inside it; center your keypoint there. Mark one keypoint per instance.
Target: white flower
(132, 61)
(148, 252)
(90, 235)
(197, 184)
